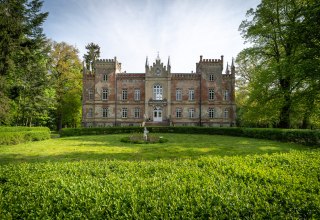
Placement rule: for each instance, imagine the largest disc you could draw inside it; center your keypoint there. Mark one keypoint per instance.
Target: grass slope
(109, 147)
(191, 176)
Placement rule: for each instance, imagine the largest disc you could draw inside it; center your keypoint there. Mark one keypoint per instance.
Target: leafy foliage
(23, 61)
(16, 135)
(65, 67)
(254, 187)
(280, 71)
(306, 137)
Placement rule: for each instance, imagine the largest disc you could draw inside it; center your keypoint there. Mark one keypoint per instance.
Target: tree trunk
(284, 121)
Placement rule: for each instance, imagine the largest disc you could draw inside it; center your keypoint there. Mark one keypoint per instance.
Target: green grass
(189, 177)
(109, 147)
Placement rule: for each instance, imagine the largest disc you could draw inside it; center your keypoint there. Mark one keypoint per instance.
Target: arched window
(157, 92)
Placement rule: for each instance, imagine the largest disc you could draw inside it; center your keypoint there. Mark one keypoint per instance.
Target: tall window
(137, 112)
(137, 94)
(104, 94)
(178, 95)
(191, 112)
(211, 94)
(105, 112)
(124, 112)
(191, 94)
(105, 77)
(124, 94)
(226, 113)
(90, 112)
(211, 77)
(226, 95)
(212, 113)
(178, 112)
(157, 92)
(91, 95)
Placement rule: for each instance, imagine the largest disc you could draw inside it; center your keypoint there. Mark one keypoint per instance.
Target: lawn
(109, 147)
(189, 177)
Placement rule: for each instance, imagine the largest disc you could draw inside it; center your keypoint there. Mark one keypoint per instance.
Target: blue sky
(134, 29)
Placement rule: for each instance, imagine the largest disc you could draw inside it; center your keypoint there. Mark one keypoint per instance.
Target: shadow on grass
(179, 147)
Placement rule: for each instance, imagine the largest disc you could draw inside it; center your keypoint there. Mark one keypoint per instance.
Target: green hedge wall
(305, 137)
(16, 135)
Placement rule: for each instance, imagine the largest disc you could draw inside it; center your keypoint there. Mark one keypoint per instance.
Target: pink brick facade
(157, 96)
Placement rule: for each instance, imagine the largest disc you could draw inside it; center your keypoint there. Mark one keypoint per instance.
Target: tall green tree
(67, 82)
(23, 60)
(93, 53)
(282, 74)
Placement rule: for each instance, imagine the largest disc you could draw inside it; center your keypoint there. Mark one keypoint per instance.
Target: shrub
(305, 137)
(16, 135)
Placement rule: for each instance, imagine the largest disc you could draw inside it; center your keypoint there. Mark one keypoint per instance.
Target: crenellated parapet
(213, 61)
(107, 63)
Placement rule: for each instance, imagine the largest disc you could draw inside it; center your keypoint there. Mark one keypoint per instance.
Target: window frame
(105, 77)
(124, 113)
(211, 94)
(90, 113)
(191, 95)
(226, 113)
(124, 94)
(90, 94)
(212, 113)
(226, 95)
(178, 94)
(137, 112)
(104, 94)
(105, 112)
(178, 112)
(191, 113)
(157, 92)
(137, 94)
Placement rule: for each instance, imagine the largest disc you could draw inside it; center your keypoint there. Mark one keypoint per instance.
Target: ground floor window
(90, 112)
(191, 113)
(178, 112)
(137, 112)
(105, 112)
(124, 112)
(212, 113)
(226, 113)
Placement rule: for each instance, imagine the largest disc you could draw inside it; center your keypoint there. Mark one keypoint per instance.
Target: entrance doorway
(157, 114)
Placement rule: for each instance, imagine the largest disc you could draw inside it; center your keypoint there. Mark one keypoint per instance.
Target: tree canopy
(280, 69)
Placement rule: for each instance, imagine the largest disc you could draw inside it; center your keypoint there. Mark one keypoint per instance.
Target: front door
(157, 114)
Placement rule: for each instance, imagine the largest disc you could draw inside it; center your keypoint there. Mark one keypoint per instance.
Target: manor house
(157, 96)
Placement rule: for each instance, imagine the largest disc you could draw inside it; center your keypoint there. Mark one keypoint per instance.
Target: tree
(281, 74)
(93, 53)
(22, 61)
(67, 80)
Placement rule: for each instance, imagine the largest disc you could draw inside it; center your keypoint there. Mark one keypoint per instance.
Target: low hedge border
(305, 137)
(16, 135)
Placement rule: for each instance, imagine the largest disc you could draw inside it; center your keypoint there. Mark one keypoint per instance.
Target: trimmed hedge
(16, 135)
(305, 137)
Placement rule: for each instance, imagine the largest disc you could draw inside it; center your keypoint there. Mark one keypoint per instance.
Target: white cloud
(132, 30)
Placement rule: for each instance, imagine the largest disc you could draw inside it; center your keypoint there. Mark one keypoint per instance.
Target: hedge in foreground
(16, 135)
(277, 186)
(305, 137)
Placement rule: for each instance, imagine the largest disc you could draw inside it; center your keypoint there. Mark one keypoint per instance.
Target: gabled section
(158, 70)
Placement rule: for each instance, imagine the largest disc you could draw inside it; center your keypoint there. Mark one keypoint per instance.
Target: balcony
(154, 102)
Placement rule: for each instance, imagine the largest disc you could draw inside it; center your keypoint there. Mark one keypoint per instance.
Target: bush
(305, 137)
(138, 138)
(16, 135)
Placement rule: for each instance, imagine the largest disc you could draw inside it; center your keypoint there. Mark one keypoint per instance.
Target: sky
(132, 30)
